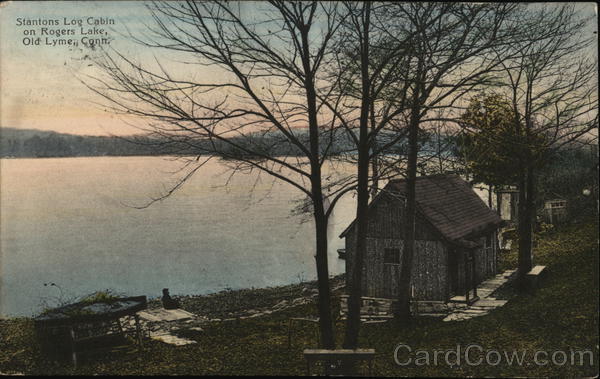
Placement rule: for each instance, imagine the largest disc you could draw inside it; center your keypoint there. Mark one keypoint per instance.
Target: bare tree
(551, 82)
(451, 56)
(264, 109)
(366, 65)
(407, 61)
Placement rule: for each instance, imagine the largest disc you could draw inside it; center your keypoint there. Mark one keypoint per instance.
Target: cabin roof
(449, 204)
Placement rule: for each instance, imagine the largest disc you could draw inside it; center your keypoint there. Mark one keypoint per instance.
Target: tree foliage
(491, 144)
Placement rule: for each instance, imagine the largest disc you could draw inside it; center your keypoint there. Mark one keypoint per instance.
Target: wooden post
(499, 203)
(73, 345)
(474, 280)
(138, 330)
(120, 326)
(467, 277)
(290, 333)
(414, 300)
(318, 336)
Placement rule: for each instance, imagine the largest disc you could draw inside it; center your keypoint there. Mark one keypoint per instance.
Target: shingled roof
(450, 205)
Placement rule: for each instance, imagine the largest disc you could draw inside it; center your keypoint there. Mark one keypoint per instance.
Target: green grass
(106, 296)
(562, 315)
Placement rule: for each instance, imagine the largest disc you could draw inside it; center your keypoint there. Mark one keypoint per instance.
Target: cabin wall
(429, 272)
(428, 275)
(350, 244)
(386, 218)
(461, 256)
(486, 263)
(381, 278)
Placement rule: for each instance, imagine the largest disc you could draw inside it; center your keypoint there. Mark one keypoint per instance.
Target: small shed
(455, 247)
(555, 211)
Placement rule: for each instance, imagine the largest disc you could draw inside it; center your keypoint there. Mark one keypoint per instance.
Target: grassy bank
(561, 316)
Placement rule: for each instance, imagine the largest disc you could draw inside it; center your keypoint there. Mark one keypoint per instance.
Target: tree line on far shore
(15, 143)
(30, 143)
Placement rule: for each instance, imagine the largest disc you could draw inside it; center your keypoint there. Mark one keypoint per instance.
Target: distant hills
(28, 143)
(31, 143)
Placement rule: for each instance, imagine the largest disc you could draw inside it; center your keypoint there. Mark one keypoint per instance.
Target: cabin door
(391, 280)
(453, 272)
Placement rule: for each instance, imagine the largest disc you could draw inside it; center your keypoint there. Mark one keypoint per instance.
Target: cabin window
(557, 204)
(488, 241)
(391, 256)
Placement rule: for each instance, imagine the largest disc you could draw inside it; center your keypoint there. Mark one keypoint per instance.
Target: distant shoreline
(91, 156)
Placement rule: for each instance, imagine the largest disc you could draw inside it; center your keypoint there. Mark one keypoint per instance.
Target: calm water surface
(69, 221)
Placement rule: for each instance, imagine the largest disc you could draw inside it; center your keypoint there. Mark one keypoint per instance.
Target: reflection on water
(66, 221)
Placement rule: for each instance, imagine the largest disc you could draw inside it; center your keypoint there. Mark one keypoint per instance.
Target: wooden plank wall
(460, 259)
(485, 259)
(386, 221)
(486, 263)
(429, 273)
(430, 264)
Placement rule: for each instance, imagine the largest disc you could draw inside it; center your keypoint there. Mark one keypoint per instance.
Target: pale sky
(39, 88)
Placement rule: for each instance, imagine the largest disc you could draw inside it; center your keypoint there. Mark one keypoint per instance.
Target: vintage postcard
(299, 188)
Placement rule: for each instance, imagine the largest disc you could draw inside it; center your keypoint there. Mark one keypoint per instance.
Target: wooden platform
(371, 308)
(485, 303)
(162, 315)
(164, 318)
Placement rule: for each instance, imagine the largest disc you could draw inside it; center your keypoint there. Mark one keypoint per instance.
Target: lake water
(69, 221)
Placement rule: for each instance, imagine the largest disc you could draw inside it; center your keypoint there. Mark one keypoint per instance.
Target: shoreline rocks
(230, 305)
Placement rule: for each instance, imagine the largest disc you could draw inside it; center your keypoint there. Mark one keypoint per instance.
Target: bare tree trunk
(362, 223)
(324, 301)
(526, 221)
(362, 214)
(403, 308)
(374, 160)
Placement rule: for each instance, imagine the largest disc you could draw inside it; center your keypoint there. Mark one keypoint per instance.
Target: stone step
(474, 311)
(454, 317)
(483, 305)
(433, 314)
(171, 339)
(160, 314)
(490, 303)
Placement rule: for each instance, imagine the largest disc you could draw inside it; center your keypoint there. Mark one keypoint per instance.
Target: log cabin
(455, 246)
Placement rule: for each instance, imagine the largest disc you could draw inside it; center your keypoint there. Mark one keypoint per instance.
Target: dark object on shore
(167, 301)
(86, 326)
(342, 253)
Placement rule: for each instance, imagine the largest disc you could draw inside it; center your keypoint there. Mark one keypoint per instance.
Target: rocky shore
(232, 305)
(244, 303)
